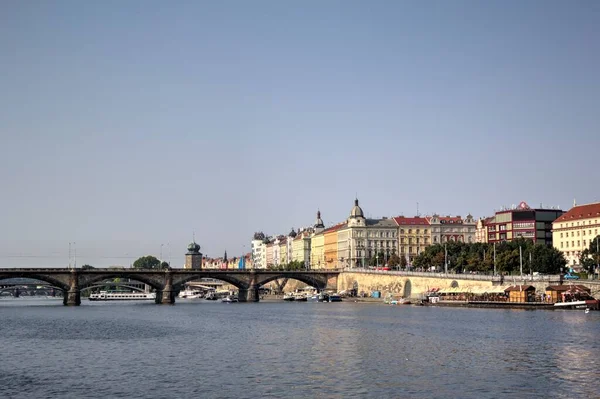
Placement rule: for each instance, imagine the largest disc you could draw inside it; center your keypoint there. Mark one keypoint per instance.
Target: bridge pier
(73, 296)
(249, 294)
(16, 292)
(166, 296)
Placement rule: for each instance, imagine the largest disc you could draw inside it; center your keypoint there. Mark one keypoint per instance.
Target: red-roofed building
(573, 231)
(414, 235)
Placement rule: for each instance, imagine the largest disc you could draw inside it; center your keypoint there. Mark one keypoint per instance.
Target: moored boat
(230, 299)
(289, 297)
(335, 298)
(323, 297)
(300, 297)
(122, 296)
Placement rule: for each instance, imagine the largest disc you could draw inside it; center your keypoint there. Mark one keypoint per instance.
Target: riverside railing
(461, 276)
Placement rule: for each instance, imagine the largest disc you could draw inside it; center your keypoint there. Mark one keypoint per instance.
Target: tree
(147, 262)
(87, 267)
(403, 262)
(590, 257)
(164, 265)
(394, 261)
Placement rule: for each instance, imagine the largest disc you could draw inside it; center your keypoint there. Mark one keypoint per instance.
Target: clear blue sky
(127, 124)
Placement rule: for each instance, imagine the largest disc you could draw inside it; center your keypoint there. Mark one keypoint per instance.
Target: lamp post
(445, 259)
(161, 246)
(521, 261)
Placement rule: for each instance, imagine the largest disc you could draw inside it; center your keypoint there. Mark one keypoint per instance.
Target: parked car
(570, 276)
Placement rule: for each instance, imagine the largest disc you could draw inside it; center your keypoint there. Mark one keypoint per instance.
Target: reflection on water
(294, 350)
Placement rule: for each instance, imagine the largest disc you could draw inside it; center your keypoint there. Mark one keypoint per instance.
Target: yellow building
(283, 251)
(301, 248)
(317, 251)
(414, 235)
(573, 231)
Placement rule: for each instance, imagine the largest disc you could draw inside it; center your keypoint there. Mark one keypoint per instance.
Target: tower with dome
(193, 257)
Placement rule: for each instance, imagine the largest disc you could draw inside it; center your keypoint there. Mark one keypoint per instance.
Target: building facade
(365, 238)
(414, 235)
(522, 222)
(301, 248)
(481, 229)
(573, 231)
(452, 228)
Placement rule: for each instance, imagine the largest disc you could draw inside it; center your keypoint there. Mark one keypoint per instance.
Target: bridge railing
(461, 276)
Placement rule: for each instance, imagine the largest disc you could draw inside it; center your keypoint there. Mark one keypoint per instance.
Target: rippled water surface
(205, 349)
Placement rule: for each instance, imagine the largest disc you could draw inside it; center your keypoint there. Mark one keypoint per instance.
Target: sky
(130, 127)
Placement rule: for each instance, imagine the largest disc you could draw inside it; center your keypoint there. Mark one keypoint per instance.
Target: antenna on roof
(417, 209)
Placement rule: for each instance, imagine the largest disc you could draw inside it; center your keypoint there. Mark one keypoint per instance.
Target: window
(561, 244)
(583, 232)
(572, 234)
(561, 235)
(418, 231)
(401, 231)
(409, 231)
(567, 244)
(572, 243)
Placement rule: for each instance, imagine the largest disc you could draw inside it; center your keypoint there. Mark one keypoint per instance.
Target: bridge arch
(319, 284)
(227, 278)
(55, 283)
(92, 280)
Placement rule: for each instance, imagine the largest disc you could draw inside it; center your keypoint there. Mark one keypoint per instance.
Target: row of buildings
(356, 240)
(353, 242)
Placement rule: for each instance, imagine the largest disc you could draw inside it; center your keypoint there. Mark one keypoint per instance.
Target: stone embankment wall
(406, 286)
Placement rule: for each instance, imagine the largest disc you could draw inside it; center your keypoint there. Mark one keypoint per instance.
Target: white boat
(122, 296)
(190, 294)
(290, 296)
(300, 297)
(230, 299)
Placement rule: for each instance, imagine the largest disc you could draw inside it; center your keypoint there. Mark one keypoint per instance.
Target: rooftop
(581, 212)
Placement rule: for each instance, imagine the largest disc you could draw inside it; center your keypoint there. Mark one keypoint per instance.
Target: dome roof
(292, 233)
(319, 223)
(356, 211)
(193, 247)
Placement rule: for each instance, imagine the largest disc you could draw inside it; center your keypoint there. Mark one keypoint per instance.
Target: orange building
(331, 245)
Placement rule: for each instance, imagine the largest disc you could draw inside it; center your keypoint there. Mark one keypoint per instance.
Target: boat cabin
(567, 293)
(521, 293)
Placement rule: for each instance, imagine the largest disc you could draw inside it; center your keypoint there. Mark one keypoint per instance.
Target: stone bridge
(168, 283)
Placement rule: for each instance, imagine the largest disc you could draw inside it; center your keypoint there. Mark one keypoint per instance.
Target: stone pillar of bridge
(250, 294)
(72, 297)
(166, 296)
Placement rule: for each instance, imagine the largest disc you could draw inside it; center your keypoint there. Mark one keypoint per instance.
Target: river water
(205, 349)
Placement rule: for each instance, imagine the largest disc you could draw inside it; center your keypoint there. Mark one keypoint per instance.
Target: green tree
(147, 262)
(590, 257)
(403, 262)
(87, 267)
(394, 261)
(164, 265)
